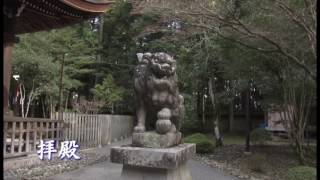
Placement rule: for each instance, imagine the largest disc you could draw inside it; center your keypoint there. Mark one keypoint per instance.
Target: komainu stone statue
(156, 151)
(159, 105)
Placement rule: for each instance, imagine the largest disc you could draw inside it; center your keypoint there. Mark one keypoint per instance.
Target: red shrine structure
(27, 16)
(22, 135)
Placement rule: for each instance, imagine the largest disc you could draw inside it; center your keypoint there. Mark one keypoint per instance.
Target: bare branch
(250, 33)
(290, 56)
(248, 46)
(233, 40)
(237, 26)
(301, 22)
(312, 7)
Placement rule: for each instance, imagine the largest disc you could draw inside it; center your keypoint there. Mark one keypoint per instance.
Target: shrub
(260, 136)
(256, 162)
(203, 143)
(302, 173)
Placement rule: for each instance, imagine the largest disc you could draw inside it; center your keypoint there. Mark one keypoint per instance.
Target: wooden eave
(38, 15)
(88, 6)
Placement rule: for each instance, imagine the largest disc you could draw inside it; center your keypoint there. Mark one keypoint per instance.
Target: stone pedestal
(152, 139)
(154, 164)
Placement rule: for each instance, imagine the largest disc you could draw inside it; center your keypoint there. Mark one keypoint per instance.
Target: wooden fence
(96, 130)
(22, 135)
(85, 129)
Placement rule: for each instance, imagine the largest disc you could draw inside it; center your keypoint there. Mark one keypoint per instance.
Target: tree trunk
(43, 108)
(99, 55)
(51, 108)
(297, 104)
(231, 116)
(30, 99)
(203, 111)
(23, 95)
(216, 110)
(219, 141)
(248, 120)
(112, 108)
(199, 106)
(66, 104)
(300, 151)
(32, 111)
(61, 88)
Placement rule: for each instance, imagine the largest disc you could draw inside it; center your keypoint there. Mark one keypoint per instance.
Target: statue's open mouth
(163, 70)
(165, 66)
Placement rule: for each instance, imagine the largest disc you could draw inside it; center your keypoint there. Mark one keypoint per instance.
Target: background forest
(236, 60)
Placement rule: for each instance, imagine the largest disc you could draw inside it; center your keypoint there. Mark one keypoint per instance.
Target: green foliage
(160, 46)
(119, 48)
(302, 173)
(190, 123)
(37, 58)
(260, 136)
(35, 65)
(108, 91)
(76, 45)
(203, 143)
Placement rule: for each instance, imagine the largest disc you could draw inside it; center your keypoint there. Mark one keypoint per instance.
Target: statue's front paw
(139, 129)
(173, 129)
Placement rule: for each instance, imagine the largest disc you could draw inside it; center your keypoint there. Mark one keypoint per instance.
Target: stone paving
(95, 165)
(57, 166)
(111, 171)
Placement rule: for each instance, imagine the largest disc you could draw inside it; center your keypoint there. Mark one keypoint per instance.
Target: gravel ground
(232, 160)
(57, 166)
(228, 159)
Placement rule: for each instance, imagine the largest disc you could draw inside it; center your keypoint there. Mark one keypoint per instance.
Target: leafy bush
(260, 136)
(302, 173)
(203, 143)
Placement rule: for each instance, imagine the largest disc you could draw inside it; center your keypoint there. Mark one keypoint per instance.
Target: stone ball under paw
(163, 126)
(165, 113)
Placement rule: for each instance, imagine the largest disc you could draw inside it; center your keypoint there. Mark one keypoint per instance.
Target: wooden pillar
(7, 55)
(10, 12)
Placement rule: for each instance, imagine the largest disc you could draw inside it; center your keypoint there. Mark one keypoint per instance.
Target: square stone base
(168, 158)
(152, 139)
(144, 173)
(154, 164)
